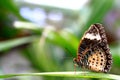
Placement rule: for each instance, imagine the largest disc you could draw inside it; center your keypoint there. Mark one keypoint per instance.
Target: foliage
(48, 47)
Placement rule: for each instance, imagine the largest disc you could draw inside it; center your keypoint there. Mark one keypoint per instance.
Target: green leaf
(64, 39)
(99, 8)
(14, 42)
(66, 74)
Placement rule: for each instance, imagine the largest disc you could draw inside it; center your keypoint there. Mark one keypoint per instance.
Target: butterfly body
(93, 51)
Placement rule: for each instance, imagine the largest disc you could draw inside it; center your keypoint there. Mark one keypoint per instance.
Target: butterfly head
(77, 61)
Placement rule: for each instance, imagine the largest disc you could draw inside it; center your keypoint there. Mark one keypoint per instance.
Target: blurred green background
(43, 35)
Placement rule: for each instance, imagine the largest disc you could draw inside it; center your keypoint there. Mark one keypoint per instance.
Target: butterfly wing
(97, 61)
(91, 38)
(93, 51)
(103, 45)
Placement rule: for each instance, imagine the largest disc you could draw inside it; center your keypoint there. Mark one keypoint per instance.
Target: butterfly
(93, 51)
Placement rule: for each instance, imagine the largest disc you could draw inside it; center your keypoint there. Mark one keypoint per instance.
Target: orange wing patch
(97, 61)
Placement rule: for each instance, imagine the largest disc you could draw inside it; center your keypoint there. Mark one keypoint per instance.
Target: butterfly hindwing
(104, 46)
(97, 60)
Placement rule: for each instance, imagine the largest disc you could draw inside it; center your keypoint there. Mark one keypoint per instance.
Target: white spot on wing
(92, 36)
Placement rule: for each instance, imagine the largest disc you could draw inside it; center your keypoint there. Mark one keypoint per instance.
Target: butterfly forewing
(93, 50)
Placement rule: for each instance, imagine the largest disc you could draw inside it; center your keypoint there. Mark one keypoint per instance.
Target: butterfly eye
(74, 60)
